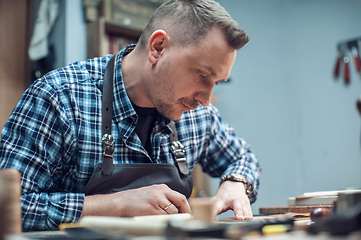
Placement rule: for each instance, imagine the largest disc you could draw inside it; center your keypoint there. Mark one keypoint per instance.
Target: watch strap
(237, 178)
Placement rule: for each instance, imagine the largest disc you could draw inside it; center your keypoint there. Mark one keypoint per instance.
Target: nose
(204, 96)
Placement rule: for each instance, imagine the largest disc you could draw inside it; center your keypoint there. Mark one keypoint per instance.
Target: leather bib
(110, 178)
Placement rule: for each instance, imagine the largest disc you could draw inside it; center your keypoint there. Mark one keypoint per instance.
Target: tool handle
(356, 59)
(346, 71)
(336, 71)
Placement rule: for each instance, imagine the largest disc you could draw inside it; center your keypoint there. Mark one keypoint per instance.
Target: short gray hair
(188, 21)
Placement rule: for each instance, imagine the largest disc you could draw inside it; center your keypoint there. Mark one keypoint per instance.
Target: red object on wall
(356, 59)
(336, 71)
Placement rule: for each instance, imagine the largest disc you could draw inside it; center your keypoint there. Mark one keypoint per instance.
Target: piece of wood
(201, 182)
(10, 208)
(329, 193)
(311, 201)
(293, 209)
(202, 209)
(14, 61)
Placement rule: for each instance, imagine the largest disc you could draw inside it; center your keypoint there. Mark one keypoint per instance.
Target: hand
(151, 200)
(232, 196)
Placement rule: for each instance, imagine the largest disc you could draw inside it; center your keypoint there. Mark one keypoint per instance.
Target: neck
(133, 66)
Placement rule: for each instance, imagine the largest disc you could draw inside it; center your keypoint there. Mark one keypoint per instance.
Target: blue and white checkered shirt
(53, 137)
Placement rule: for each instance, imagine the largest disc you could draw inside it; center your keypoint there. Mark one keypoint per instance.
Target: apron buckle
(108, 145)
(180, 156)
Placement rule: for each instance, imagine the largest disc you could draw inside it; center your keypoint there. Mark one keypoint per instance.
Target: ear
(157, 42)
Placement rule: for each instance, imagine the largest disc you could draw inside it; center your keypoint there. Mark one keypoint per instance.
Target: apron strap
(108, 140)
(107, 113)
(178, 150)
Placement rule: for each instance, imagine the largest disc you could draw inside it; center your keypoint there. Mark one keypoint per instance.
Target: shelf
(98, 31)
(121, 30)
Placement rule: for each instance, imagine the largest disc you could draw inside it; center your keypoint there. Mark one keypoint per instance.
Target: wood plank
(292, 209)
(14, 61)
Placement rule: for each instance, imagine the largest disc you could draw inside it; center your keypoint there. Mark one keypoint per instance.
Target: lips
(188, 105)
(186, 108)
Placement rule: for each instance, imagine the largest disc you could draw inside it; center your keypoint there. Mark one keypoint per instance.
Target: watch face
(236, 177)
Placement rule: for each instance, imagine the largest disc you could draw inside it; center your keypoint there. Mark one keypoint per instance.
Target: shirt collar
(122, 106)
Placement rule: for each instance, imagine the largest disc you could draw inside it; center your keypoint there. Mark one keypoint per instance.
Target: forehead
(212, 53)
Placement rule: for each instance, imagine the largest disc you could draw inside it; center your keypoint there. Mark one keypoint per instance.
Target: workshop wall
(69, 34)
(283, 100)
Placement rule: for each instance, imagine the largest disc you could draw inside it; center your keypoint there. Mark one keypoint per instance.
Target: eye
(202, 75)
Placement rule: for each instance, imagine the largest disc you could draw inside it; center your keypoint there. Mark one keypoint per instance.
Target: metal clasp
(180, 156)
(178, 150)
(108, 145)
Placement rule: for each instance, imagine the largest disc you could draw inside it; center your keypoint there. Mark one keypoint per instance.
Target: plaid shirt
(53, 137)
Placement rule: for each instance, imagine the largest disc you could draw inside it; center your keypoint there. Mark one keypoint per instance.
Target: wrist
(100, 205)
(237, 178)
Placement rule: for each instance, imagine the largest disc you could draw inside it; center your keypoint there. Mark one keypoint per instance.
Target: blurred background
(282, 97)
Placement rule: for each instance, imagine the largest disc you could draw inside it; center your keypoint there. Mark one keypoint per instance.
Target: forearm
(226, 153)
(101, 205)
(150, 200)
(42, 211)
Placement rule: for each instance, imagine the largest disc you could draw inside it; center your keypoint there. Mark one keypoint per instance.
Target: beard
(163, 99)
(168, 110)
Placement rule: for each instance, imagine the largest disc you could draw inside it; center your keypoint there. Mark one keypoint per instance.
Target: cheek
(175, 81)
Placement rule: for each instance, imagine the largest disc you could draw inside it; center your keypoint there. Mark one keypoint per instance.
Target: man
(54, 135)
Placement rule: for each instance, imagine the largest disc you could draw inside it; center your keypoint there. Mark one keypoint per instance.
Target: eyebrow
(211, 70)
(215, 75)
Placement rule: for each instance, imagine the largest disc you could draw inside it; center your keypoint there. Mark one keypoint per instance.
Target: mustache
(189, 103)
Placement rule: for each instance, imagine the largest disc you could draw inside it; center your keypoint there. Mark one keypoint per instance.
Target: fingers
(170, 209)
(241, 207)
(150, 200)
(179, 201)
(170, 201)
(218, 207)
(231, 196)
(242, 211)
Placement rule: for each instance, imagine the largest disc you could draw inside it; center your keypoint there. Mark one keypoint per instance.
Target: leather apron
(110, 178)
(131, 176)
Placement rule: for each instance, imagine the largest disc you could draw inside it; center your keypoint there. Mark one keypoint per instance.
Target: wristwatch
(237, 178)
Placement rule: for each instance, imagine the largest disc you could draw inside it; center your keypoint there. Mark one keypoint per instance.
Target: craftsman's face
(184, 78)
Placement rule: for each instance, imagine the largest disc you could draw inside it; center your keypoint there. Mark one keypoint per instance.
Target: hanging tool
(346, 70)
(356, 58)
(336, 71)
(346, 60)
(353, 46)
